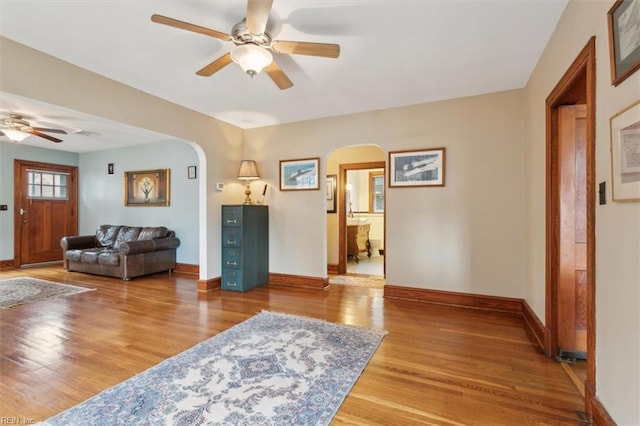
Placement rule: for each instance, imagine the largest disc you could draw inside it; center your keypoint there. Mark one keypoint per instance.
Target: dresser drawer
(231, 258)
(232, 216)
(231, 237)
(232, 279)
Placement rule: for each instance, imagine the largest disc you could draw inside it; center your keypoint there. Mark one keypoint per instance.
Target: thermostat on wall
(220, 186)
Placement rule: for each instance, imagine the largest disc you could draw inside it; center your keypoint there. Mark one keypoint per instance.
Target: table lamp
(248, 172)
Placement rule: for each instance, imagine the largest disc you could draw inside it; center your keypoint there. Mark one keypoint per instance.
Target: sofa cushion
(90, 255)
(109, 257)
(74, 255)
(106, 235)
(126, 233)
(150, 233)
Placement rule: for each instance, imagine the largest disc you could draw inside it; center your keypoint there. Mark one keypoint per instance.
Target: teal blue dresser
(245, 247)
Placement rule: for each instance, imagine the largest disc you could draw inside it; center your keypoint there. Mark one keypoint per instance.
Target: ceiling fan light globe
(251, 58)
(15, 135)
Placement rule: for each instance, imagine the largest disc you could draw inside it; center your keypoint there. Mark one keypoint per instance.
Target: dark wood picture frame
(147, 188)
(624, 39)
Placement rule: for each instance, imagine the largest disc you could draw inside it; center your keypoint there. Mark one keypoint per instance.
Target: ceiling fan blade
(44, 129)
(42, 135)
(278, 76)
(159, 19)
(216, 65)
(326, 50)
(258, 15)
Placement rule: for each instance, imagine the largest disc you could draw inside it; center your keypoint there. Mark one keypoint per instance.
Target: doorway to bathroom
(364, 195)
(356, 218)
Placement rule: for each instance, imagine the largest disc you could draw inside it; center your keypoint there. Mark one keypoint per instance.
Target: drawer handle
(232, 243)
(231, 284)
(231, 221)
(231, 263)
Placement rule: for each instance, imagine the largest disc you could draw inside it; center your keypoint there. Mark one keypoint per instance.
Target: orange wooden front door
(572, 282)
(45, 210)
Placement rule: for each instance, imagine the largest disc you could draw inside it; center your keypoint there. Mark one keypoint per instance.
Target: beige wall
(466, 236)
(617, 224)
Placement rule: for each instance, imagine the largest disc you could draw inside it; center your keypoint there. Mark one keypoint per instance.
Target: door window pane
(34, 191)
(46, 185)
(47, 178)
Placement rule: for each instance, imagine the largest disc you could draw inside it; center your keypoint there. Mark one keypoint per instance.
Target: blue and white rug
(272, 369)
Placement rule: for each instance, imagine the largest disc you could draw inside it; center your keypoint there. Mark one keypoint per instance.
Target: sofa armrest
(145, 246)
(78, 242)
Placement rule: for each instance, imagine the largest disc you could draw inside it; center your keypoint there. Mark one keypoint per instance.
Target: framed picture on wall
(146, 188)
(331, 193)
(624, 39)
(299, 174)
(625, 154)
(416, 168)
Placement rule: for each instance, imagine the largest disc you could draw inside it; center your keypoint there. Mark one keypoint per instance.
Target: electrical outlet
(4, 207)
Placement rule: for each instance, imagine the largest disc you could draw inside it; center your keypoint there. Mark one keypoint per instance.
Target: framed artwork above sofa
(147, 188)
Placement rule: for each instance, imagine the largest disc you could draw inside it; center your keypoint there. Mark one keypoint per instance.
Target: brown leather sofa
(121, 251)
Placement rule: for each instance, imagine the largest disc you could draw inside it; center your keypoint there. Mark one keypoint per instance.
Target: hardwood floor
(439, 365)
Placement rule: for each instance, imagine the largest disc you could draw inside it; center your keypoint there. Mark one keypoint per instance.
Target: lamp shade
(248, 170)
(251, 58)
(15, 135)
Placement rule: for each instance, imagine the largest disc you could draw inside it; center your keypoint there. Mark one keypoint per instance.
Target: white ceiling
(393, 53)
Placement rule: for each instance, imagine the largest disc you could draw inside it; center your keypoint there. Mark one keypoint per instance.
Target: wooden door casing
(39, 224)
(576, 86)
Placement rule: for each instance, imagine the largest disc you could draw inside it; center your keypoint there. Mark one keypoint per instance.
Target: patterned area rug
(272, 369)
(21, 290)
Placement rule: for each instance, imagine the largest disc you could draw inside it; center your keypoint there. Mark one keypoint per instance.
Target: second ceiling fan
(16, 128)
(254, 45)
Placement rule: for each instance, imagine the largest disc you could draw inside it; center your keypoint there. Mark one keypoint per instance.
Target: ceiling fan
(253, 46)
(16, 128)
